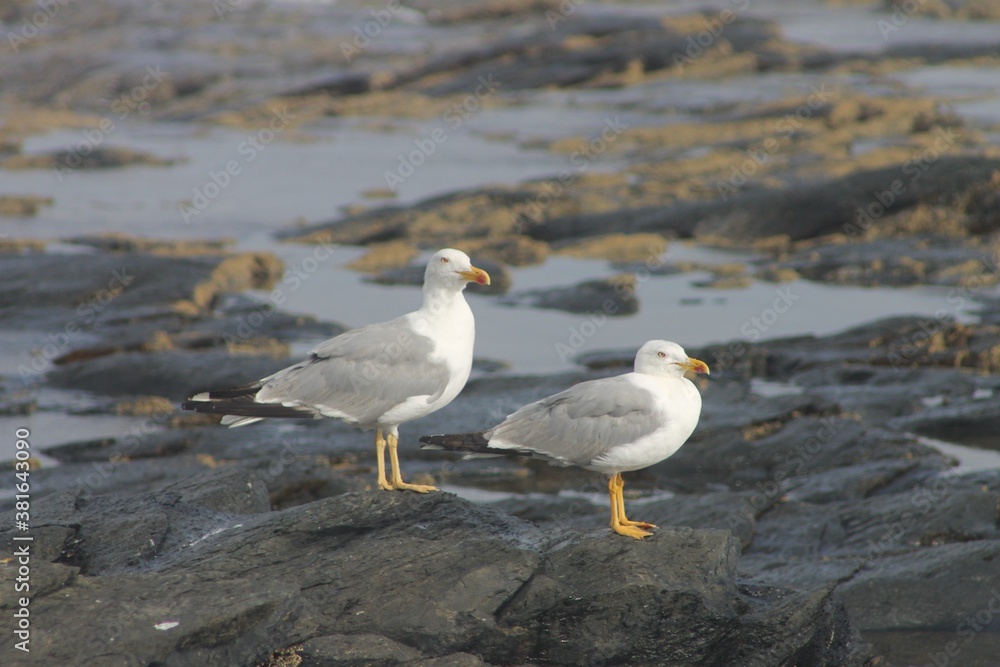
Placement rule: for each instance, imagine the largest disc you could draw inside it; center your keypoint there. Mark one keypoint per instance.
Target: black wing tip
(456, 442)
(244, 391)
(244, 407)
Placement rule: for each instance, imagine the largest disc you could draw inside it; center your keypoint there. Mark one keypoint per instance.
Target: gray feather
(583, 423)
(362, 373)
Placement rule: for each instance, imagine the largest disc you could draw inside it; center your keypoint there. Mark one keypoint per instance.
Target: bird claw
(639, 524)
(631, 531)
(419, 488)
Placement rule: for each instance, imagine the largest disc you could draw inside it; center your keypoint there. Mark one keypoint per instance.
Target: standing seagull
(378, 376)
(612, 425)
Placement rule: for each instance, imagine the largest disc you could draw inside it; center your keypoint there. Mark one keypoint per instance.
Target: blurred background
(749, 170)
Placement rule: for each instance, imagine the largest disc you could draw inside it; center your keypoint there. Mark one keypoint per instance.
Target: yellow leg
(621, 507)
(631, 529)
(383, 483)
(397, 476)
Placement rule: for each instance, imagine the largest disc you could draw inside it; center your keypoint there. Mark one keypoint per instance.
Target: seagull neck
(437, 297)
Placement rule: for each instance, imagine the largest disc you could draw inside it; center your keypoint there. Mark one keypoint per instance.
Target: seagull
(611, 425)
(375, 377)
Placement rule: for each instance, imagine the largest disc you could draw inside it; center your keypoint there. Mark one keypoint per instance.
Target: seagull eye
(444, 260)
(661, 355)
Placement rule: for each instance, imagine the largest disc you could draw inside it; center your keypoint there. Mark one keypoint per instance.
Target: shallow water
(534, 340)
(309, 174)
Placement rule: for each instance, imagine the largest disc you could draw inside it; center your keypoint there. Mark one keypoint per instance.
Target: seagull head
(661, 357)
(453, 268)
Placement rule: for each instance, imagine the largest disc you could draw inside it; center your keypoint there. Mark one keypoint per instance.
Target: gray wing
(578, 425)
(362, 373)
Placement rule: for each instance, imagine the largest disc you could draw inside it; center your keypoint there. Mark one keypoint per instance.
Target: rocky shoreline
(839, 503)
(818, 501)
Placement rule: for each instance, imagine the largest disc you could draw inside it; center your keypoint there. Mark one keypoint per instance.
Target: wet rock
(911, 260)
(961, 9)
(724, 282)
(444, 13)
(236, 491)
(382, 256)
(829, 207)
(46, 576)
(83, 292)
(433, 222)
(731, 512)
(295, 469)
(175, 374)
(9, 246)
(500, 278)
(99, 157)
(603, 47)
(956, 585)
(850, 482)
(510, 250)
(22, 206)
(117, 449)
(812, 494)
(966, 420)
(17, 406)
(433, 575)
(356, 650)
(144, 406)
(127, 243)
(605, 297)
(620, 248)
(551, 512)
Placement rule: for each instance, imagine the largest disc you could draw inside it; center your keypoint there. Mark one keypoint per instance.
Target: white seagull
(378, 376)
(612, 425)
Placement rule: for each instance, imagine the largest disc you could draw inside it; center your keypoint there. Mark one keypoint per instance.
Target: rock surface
(181, 575)
(834, 500)
(816, 517)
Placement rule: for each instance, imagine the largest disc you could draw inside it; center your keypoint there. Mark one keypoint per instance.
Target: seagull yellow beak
(474, 275)
(695, 366)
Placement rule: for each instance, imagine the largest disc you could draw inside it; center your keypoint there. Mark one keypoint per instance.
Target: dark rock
(965, 420)
(234, 491)
(829, 207)
(239, 318)
(166, 619)
(603, 359)
(17, 407)
(95, 478)
(167, 580)
(956, 581)
(295, 470)
(176, 374)
(45, 546)
(21, 206)
(543, 59)
(91, 289)
(919, 259)
(500, 278)
(603, 297)
(849, 482)
(546, 511)
(453, 660)
(98, 157)
(367, 650)
(733, 512)
(356, 651)
(97, 305)
(155, 445)
(449, 211)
